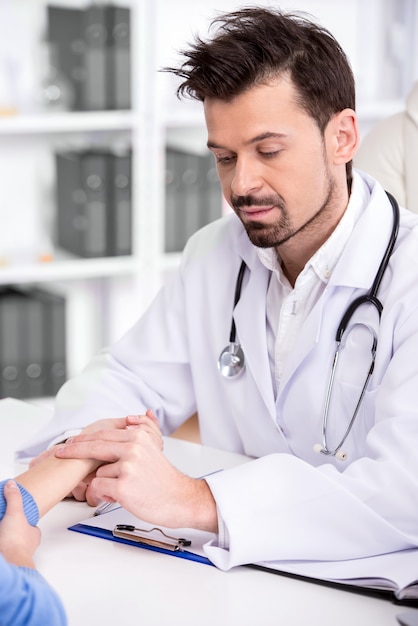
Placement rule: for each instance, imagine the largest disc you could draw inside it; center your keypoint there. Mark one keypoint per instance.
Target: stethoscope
(231, 362)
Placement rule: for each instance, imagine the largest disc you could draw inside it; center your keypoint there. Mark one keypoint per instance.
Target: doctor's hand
(103, 424)
(139, 476)
(147, 422)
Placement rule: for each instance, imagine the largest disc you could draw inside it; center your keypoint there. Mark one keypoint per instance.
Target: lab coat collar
(361, 257)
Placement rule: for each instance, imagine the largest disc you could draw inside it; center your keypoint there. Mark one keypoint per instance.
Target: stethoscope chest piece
(231, 362)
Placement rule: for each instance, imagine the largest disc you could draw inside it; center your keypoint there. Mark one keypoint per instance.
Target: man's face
(275, 166)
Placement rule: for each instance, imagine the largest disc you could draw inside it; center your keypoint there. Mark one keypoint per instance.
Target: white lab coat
(291, 503)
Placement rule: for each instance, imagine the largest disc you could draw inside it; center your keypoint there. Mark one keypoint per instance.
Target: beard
(274, 235)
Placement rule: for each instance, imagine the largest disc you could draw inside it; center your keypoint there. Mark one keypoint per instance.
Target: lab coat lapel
(250, 321)
(306, 341)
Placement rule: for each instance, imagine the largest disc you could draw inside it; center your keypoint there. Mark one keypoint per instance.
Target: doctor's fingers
(110, 423)
(105, 489)
(124, 485)
(80, 492)
(130, 422)
(122, 422)
(148, 421)
(108, 451)
(144, 431)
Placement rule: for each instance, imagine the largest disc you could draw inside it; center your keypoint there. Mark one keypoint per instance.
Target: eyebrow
(261, 137)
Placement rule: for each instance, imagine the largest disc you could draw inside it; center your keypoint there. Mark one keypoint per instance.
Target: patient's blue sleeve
(26, 598)
(29, 505)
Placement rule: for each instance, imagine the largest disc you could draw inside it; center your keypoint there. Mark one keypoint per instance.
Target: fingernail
(11, 484)
(69, 440)
(133, 418)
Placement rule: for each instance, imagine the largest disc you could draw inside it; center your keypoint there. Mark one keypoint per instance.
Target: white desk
(108, 584)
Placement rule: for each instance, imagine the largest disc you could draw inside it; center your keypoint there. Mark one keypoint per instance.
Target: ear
(345, 136)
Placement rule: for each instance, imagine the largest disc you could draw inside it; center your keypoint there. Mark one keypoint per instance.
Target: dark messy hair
(254, 45)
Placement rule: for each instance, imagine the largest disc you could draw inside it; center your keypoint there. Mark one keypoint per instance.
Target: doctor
(310, 234)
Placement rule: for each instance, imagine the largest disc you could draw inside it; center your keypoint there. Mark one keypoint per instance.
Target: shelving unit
(106, 295)
(96, 287)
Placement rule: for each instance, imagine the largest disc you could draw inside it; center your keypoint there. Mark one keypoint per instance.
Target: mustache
(245, 201)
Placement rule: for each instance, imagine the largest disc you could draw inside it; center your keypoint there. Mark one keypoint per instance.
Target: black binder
(107, 58)
(11, 346)
(96, 176)
(119, 228)
(83, 202)
(70, 201)
(174, 204)
(119, 58)
(33, 335)
(64, 26)
(53, 307)
(96, 34)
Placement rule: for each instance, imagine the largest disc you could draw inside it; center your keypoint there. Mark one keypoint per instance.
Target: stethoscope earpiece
(339, 454)
(318, 448)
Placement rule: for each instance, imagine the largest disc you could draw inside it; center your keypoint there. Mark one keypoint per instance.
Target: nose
(246, 177)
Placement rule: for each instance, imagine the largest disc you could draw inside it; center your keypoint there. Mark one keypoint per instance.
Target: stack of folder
(32, 343)
(193, 196)
(94, 203)
(93, 51)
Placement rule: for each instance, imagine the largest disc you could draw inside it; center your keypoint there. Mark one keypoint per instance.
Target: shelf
(68, 269)
(68, 122)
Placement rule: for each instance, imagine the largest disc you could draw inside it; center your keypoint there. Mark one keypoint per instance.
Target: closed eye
(269, 155)
(225, 159)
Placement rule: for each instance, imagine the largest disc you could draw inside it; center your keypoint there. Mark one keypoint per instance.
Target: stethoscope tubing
(369, 298)
(237, 295)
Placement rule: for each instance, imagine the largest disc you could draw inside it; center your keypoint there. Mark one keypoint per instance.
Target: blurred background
(104, 173)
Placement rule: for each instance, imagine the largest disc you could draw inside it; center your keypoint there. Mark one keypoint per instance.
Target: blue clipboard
(95, 527)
